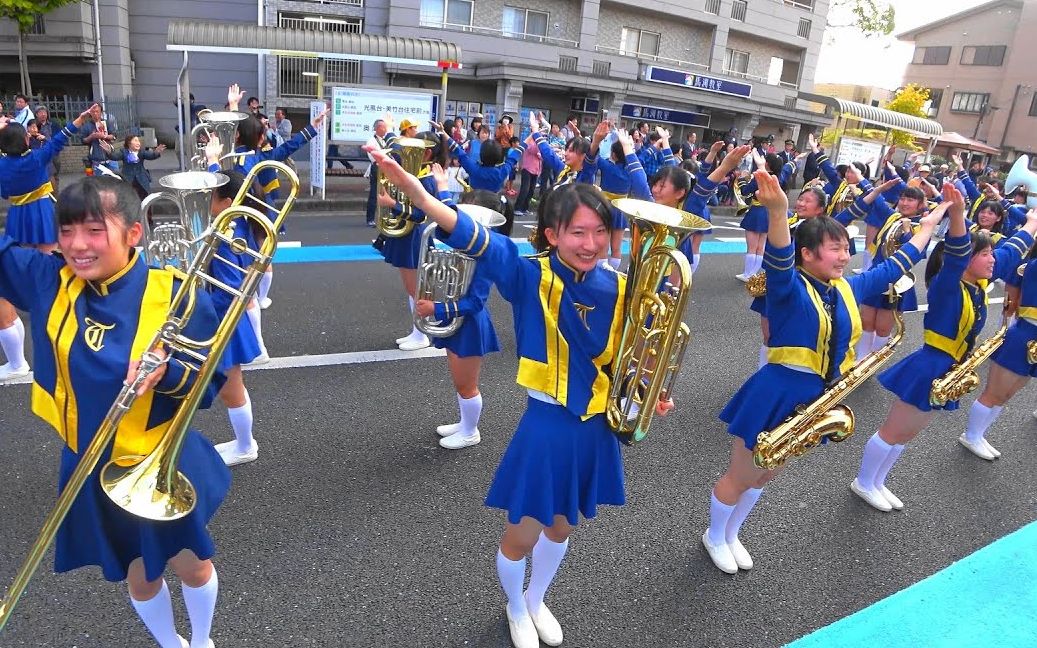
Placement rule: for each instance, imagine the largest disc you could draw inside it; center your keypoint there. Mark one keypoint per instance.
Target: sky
(846, 45)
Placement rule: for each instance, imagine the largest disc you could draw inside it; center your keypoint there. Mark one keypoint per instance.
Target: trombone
(151, 486)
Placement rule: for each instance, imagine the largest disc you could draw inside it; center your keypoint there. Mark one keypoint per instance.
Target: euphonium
(654, 338)
(411, 152)
(845, 199)
(172, 240)
(891, 239)
(223, 126)
(740, 205)
(445, 275)
(826, 416)
(151, 486)
(962, 377)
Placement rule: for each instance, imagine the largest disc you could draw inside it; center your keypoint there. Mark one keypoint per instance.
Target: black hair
(774, 164)
(790, 142)
(251, 99)
(438, 151)
(250, 130)
(82, 202)
(998, 210)
(819, 193)
(617, 153)
(513, 141)
(692, 167)
(640, 124)
(990, 180)
(812, 233)
(12, 140)
(491, 153)
(126, 141)
(841, 170)
(980, 241)
(863, 168)
(678, 177)
(654, 137)
(230, 189)
(904, 174)
(557, 209)
(474, 120)
(914, 193)
(22, 97)
(495, 201)
(578, 145)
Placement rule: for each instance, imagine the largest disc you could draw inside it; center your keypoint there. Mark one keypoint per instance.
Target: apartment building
(716, 67)
(979, 67)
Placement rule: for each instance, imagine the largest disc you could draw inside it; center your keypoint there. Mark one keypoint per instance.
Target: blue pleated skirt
(769, 397)
(1012, 353)
(403, 252)
(759, 305)
(557, 464)
(619, 220)
(33, 224)
(476, 337)
(912, 378)
(97, 532)
(755, 220)
(243, 347)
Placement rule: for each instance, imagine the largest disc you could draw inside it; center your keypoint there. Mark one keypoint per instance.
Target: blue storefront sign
(698, 82)
(666, 115)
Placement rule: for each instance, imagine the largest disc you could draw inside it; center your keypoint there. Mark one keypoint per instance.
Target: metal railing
(712, 7)
(352, 3)
(122, 112)
(745, 75)
(297, 75)
(567, 63)
(790, 103)
(323, 23)
(799, 4)
(490, 31)
(649, 57)
(739, 9)
(601, 69)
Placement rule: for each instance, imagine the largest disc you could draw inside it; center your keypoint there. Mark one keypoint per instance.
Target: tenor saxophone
(826, 416)
(962, 377)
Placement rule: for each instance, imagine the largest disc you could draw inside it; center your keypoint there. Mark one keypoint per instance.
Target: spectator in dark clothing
(810, 168)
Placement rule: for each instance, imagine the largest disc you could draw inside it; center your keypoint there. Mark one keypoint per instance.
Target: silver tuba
(444, 275)
(170, 240)
(1020, 177)
(224, 127)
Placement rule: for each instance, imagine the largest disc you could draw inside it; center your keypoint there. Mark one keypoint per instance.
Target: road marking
(289, 244)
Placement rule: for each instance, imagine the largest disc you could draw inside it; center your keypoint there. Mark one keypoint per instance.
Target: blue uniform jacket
(483, 177)
(135, 171)
(25, 178)
(565, 175)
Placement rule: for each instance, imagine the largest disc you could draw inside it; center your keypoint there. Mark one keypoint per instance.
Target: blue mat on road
(986, 599)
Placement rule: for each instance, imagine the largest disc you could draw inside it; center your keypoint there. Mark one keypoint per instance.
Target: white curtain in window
(431, 12)
(513, 23)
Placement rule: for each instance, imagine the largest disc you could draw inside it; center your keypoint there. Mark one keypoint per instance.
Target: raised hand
(213, 149)
(732, 160)
(323, 114)
(812, 142)
(770, 193)
(234, 96)
(625, 140)
(955, 201)
(534, 123)
(439, 173)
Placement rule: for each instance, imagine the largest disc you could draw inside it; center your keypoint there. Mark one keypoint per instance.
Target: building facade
(979, 67)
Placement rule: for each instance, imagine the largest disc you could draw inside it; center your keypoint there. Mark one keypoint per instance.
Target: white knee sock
(547, 556)
(471, 409)
(875, 452)
(201, 605)
(980, 419)
(12, 340)
(763, 356)
(745, 504)
(757, 263)
(863, 346)
(750, 263)
(887, 464)
(157, 615)
(695, 262)
(264, 284)
(512, 573)
(241, 423)
(719, 516)
(865, 260)
(255, 318)
(878, 342)
(615, 262)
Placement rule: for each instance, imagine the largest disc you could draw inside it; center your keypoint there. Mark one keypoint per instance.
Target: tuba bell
(651, 349)
(171, 240)
(1020, 177)
(223, 126)
(411, 152)
(444, 275)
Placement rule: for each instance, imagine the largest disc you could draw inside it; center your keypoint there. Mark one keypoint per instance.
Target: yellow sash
(43, 191)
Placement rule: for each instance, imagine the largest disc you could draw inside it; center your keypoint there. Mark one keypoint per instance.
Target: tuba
(171, 240)
(1020, 177)
(151, 486)
(826, 416)
(962, 377)
(444, 275)
(224, 127)
(411, 152)
(652, 345)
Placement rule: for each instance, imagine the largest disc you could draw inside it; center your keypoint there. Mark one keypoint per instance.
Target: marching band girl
(574, 168)
(476, 337)
(564, 460)
(614, 184)
(813, 324)
(493, 167)
(94, 310)
(957, 275)
(755, 220)
(25, 181)
(1010, 367)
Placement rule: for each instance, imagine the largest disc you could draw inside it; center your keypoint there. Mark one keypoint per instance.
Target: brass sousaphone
(411, 153)
(172, 239)
(223, 126)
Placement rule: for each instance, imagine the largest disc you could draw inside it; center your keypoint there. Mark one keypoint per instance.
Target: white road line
(324, 360)
(289, 244)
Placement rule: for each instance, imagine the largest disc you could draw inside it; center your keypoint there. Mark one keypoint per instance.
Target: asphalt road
(355, 529)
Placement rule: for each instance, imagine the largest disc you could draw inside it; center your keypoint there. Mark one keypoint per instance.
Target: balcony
(297, 75)
(649, 58)
(501, 33)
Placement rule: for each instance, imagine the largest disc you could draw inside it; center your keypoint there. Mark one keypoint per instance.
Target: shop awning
(957, 140)
(243, 38)
(926, 128)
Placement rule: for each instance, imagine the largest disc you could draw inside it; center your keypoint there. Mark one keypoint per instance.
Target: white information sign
(354, 111)
(855, 150)
(318, 150)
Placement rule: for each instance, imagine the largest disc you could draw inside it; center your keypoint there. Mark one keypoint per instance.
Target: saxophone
(826, 416)
(962, 377)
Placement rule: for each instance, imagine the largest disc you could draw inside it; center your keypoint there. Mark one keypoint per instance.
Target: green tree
(873, 18)
(909, 100)
(24, 12)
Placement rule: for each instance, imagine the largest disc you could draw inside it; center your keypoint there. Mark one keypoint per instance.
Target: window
(436, 13)
(519, 23)
(639, 42)
(802, 4)
(935, 98)
(736, 62)
(1033, 105)
(983, 55)
(738, 9)
(321, 23)
(970, 102)
(932, 55)
(713, 7)
(567, 63)
(804, 28)
(601, 68)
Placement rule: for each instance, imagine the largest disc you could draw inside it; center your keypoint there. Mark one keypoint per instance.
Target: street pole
(1011, 111)
(97, 46)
